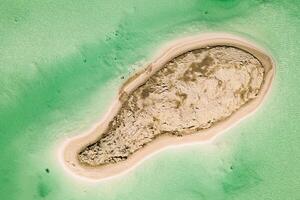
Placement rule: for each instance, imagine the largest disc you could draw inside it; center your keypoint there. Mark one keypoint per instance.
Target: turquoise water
(62, 62)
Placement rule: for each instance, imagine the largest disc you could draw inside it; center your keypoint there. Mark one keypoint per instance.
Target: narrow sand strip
(76, 145)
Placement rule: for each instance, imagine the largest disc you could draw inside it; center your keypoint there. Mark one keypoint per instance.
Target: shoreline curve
(74, 145)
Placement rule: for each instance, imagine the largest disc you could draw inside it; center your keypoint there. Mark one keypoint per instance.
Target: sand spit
(192, 91)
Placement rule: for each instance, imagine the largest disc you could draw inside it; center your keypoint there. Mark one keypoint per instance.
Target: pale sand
(75, 145)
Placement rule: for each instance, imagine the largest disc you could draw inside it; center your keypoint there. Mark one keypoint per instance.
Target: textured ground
(190, 93)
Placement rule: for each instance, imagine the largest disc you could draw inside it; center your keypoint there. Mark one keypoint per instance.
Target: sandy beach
(75, 145)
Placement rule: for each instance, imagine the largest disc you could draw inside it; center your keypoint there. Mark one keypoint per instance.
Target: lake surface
(62, 62)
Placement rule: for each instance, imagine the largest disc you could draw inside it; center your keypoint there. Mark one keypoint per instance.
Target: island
(193, 90)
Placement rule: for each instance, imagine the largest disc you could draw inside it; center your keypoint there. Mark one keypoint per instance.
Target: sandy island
(195, 89)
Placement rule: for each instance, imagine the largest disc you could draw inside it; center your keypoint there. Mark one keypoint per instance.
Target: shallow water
(61, 64)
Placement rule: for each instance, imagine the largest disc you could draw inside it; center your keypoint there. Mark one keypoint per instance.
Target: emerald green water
(61, 63)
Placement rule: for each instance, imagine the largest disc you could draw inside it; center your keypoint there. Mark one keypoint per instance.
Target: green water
(61, 63)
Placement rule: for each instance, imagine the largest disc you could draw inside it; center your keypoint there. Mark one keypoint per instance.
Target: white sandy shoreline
(71, 147)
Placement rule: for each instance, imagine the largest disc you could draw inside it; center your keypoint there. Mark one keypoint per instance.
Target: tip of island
(195, 89)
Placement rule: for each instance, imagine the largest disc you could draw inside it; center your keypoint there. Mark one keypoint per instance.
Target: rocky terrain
(190, 93)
